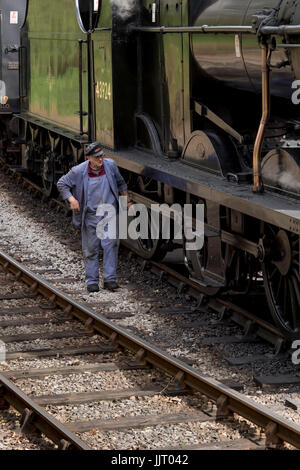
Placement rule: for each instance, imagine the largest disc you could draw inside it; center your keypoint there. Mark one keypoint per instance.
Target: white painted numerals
(103, 91)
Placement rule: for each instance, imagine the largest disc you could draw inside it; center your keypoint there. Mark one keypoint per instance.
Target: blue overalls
(99, 192)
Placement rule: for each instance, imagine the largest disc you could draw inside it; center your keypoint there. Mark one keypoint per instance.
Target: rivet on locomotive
(193, 99)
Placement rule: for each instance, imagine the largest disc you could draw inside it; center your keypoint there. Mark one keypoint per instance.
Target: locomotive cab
(12, 15)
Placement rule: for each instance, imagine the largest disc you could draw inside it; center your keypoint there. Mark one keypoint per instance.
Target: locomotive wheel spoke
(293, 304)
(296, 286)
(296, 274)
(273, 231)
(282, 280)
(279, 288)
(273, 273)
(285, 293)
(151, 248)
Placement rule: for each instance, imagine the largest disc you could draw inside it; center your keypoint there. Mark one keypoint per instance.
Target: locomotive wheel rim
(283, 246)
(150, 248)
(283, 290)
(147, 247)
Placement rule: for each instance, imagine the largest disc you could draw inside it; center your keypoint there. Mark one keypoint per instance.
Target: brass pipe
(266, 110)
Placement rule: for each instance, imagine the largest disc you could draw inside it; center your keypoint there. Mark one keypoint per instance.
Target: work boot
(110, 285)
(92, 288)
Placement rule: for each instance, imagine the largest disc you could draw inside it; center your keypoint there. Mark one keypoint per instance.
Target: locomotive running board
(52, 127)
(270, 207)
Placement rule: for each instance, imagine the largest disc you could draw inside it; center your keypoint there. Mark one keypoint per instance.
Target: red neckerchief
(95, 175)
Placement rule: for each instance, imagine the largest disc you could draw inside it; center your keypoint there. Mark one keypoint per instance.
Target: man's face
(96, 162)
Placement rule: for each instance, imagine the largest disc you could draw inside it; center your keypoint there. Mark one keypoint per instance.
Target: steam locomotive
(195, 101)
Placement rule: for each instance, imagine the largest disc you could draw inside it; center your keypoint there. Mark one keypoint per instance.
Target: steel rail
(34, 416)
(228, 401)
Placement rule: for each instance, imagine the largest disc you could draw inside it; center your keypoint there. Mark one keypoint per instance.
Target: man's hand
(129, 202)
(74, 204)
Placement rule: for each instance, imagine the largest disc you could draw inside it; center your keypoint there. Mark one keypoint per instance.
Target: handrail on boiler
(283, 30)
(265, 30)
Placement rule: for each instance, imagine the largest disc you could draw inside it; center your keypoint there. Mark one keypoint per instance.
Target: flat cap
(94, 150)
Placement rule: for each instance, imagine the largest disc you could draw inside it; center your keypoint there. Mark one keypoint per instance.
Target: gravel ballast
(45, 240)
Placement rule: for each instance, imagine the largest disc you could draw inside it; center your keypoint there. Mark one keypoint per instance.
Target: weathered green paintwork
(166, 68)
(177, 69)
(51, 35)
(104, 92)
(52, 59)
(166, 74)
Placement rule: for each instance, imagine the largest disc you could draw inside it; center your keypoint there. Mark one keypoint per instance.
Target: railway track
(253, 329)
(253, 326)
(77, 321)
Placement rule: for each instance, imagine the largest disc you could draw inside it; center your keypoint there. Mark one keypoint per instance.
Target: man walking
(87, 186)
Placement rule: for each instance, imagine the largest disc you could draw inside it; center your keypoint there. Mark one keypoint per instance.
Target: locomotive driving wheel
(282, 279)
(150, 248)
